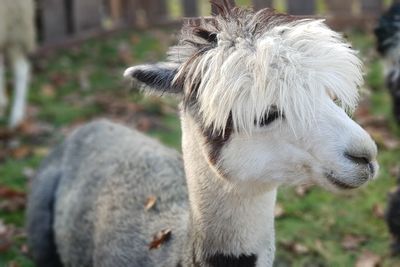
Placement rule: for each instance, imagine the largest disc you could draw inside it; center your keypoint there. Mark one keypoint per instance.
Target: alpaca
(17, 40)
(263, 103)
(388, 45)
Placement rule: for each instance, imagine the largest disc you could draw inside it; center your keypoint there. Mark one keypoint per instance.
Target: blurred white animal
(17, 40)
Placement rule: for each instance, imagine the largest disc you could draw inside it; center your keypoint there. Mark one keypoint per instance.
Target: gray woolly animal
(100, 178)
(259, 109)
(17, 40)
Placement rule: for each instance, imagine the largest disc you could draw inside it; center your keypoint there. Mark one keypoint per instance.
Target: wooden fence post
(370, 12)
(341, 14)
(301, 7)
(129, 9)
(86, 15)
(116, 10)
(53, 19)
(156, 11)
(190, 8)
(260, 4)
(340, 7)
(372, 7)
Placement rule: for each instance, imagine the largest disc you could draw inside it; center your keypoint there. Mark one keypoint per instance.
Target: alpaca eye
(336, 100)
(269, 117)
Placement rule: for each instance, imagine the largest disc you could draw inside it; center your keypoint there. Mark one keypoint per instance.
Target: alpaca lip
(338, 183)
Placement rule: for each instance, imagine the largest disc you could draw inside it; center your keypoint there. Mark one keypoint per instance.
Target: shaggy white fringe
(292, 66)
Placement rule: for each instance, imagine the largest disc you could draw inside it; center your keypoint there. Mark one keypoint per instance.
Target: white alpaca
(17, 40)
(263, 104)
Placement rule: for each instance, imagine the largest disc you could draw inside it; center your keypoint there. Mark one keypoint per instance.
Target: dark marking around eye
(216, 141)
(212, 38)
(269, 118)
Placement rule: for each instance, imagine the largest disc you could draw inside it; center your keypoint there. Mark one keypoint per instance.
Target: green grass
(171, 134)
(319, 220)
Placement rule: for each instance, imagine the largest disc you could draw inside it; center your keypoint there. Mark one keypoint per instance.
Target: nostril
(357, 159)
(371, 168)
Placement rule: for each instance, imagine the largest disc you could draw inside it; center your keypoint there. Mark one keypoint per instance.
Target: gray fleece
(89, 197)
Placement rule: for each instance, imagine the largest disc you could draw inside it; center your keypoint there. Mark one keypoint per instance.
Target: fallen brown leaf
(368, 259)
(20, 152)
(373, 121)
(377, 127)
(5, 133)
(362, 112)
(383, 138)
(7, 192)
(48, 90)
(34, 128)
(279, 211)
(378, 211)
(144, 124)
(135, 39)
(320, 248)
(13, 204)
(41, 151)
(300, 248)
(392, 190)
(5, 240)
(295, 247)
(394, 171)
(11, 199)
(84, 80)
(24, 249)
(352, 241)
(160, 238)
(302, 190)
(13, 264)
(150, 202)
(27, 127)
(3, 228)
(59, 79)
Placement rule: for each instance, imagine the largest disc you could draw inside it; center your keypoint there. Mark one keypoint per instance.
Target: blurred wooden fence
(62, 20)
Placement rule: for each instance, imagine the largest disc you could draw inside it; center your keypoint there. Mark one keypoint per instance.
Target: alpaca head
(267, 97)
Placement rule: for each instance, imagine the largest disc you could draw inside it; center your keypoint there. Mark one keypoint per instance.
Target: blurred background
(83, 48)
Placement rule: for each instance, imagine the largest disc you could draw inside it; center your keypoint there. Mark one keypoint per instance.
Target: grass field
(70, 87)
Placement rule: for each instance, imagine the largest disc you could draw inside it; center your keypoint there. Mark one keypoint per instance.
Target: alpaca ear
(155, 77)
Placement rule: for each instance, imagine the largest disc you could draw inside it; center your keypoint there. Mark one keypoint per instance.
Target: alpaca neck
(229, 225)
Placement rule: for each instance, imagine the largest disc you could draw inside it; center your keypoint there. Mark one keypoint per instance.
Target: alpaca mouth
(340, 184)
